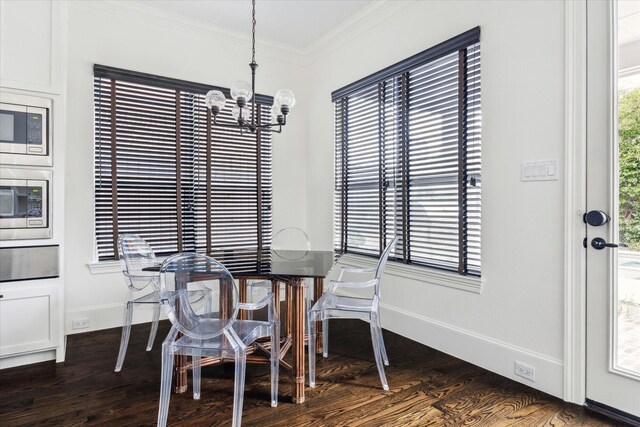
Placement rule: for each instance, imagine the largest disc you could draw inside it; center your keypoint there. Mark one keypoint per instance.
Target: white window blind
(408, 159)
(164, 172)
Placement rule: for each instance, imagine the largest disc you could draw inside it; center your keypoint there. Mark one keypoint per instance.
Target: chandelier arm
(234, 125)
(251, 127)
(270, 125)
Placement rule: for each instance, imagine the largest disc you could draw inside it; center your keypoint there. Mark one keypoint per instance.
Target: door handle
(599, 243)
(596, 218)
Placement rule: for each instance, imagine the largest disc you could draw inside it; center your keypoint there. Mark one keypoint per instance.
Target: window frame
(252, 152)
(399, 76)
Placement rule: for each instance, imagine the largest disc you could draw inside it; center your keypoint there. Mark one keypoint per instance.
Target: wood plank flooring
(427, 388)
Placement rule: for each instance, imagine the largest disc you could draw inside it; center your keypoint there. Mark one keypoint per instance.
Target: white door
(613, 274)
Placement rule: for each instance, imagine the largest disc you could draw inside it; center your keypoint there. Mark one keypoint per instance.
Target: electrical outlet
(525, 371)
(80, 324)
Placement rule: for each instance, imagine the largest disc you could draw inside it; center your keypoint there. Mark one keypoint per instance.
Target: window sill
(419, 273)
(105, 267)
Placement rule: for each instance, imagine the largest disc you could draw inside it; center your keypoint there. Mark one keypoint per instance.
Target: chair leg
(275, 363)
(165, 385)
(238, 394)
(154, 326)
(311, 321)
(383, 350)
(126, 331)
(275, 288)
(325, 338)
(377, 353)
(197, 376)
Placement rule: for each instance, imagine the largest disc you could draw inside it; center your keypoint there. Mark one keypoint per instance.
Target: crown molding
(628, 72)
(369, 17)
(153, 17)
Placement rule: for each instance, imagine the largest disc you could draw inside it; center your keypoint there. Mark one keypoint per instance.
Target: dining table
(290, 267)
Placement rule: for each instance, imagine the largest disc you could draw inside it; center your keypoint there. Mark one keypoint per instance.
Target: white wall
(519, 313)
(120, 35)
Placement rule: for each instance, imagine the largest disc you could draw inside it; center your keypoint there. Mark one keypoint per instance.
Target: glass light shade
(285, 97)
(246, 113)
(241, 89)
(215, 98)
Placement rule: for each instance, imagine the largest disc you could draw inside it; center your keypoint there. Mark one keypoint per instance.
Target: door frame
(575, 202)
(575, 304)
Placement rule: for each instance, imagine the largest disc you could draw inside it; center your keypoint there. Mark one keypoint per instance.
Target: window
(164, 172)
(408, 159)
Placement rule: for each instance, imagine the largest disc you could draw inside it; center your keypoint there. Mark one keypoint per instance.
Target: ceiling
(297, 23)
(628, 44)
(628, 21)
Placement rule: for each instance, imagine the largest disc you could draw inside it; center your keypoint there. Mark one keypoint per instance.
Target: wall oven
(25, 129)
(25, 204)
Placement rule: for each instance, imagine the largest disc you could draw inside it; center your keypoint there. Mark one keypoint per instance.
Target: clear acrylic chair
(136, 255)
(290, 243)
(335, 306)
(217, 332)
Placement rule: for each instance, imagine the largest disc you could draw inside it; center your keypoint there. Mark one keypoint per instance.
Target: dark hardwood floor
(427, 388)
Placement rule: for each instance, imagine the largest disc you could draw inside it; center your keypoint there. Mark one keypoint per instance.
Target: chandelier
(243, 94)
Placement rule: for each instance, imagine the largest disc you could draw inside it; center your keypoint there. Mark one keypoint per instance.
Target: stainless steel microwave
(25, 129)
(25, 204)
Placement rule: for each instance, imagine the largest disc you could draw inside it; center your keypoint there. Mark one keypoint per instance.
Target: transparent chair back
(288, 244)
(136, 255)
(291, 243)
(384, 257)
(184, 272)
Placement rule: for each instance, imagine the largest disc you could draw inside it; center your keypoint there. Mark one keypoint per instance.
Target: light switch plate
(539, 170)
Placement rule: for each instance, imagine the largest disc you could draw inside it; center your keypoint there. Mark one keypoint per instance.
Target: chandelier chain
(253, 43)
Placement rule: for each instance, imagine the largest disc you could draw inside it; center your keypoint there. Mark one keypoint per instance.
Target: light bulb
(246, 113)
(215, 99)
(241, 92)
(285, 97)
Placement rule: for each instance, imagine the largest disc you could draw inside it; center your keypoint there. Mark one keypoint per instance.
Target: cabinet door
(27, 319)
(31, 45)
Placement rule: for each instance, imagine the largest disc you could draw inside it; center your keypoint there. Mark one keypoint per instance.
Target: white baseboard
(106, 316)
(488, 353)
(26, 359)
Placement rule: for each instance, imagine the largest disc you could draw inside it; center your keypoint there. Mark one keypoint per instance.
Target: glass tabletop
(276, 263)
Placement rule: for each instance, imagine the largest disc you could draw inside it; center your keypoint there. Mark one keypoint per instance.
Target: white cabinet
(31, 45)
(29, 321)
(33, 62)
